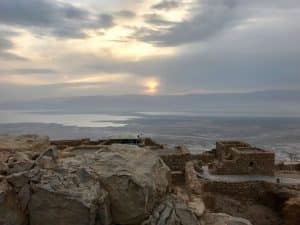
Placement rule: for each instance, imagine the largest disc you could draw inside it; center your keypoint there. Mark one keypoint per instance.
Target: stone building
(223, 148)
(233, 157)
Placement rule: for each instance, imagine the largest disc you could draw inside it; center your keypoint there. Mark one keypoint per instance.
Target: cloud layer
(188, 46)
(49, 17)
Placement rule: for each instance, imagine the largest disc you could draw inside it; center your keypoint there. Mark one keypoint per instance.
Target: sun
(151, 86)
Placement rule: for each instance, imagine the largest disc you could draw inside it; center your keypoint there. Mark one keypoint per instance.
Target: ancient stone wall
(176, 159)
(143, 142)
(239, 190)
(268, 194)
(262, 163)
(241, 158)
(175, 162)
(282, 200)
(62, 144)
(246, 199)
(205, 157)
(222, 147)
(288, 167)
(251, 190)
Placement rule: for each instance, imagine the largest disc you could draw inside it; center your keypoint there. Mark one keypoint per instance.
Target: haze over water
(197, 132)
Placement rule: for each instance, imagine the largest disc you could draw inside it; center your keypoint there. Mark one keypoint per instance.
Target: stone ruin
(86, 142)
(234, 157)
(107, 182)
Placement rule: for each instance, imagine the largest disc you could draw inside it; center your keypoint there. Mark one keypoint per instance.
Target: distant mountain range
(281, 103)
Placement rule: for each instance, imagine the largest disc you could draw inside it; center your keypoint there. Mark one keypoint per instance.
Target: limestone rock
(191, 178)
(64, 197)
(291, 211)
(20, 182)
(14, 161)
(4, 155)
(11, 212)
(48, 159)
(19, 162)
(223, 219)
(3, 168)
(135, 178)
(196, 204)
(172, 211)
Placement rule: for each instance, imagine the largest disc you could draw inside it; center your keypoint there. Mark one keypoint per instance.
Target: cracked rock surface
(134, 178)
(68, 197)
(172, 211)
(11, 212)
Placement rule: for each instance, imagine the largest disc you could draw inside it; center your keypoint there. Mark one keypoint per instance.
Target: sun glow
(152, 86)
(100, 79)
(36, 80)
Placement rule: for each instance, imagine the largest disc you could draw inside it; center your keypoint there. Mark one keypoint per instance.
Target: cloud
(262, 54)
(166, 5)
(106, 20)
(6, 45)
(157, 20)
(5, 42)
(50, 17)
(211, 18)
(10, 56)
(125, 14)
(28, 71)
(221, 45)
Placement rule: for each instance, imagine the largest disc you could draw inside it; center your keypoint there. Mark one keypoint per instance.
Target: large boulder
(68, 197)
(172, 211)
(11, 212)
(223, 219)
(135, 179)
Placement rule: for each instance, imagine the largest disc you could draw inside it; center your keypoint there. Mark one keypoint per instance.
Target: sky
(55, 48)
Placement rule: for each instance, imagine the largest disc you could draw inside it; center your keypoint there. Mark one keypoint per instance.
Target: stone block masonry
(241, 158)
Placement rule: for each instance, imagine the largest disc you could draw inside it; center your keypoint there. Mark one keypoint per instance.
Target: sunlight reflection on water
(79, 120)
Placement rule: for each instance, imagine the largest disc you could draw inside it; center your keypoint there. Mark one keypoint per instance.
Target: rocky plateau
(83, 182)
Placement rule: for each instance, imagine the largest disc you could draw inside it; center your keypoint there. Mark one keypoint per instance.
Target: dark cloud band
(51, 17)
